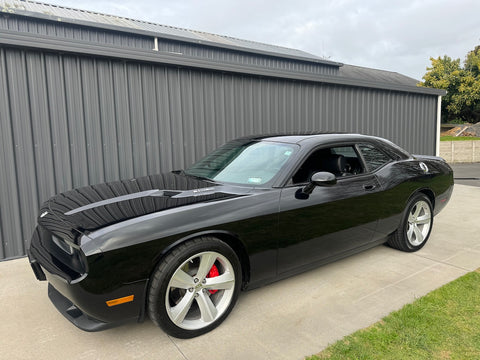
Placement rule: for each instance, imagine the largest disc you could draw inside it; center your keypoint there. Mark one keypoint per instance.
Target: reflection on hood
(96, 206)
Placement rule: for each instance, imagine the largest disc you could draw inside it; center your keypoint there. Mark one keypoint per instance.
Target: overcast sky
(393, 35)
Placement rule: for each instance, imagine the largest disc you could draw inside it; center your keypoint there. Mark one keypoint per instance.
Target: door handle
(369, 187)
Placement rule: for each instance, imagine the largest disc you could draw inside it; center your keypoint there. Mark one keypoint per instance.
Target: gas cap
(424, 167)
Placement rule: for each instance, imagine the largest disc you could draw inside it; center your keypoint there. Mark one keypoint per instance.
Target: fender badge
(43, 214)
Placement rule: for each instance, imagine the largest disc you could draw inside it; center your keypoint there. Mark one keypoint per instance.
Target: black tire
(175, 286)
(416, 225)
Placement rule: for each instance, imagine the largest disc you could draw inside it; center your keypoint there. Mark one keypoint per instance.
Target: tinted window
(374, 158)
(347, 151)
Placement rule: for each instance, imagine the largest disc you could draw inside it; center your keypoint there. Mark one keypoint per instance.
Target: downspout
(439, 120)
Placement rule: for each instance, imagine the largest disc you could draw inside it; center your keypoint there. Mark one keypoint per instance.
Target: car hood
(91, 207)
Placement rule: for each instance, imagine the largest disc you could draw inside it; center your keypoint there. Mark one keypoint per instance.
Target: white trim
(439, 119)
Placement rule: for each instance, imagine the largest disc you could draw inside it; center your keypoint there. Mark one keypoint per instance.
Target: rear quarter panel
(400, 180)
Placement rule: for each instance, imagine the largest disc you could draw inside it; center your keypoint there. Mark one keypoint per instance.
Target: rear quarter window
(374, 158)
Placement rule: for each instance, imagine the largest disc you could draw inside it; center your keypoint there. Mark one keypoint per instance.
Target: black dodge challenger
(181, 245)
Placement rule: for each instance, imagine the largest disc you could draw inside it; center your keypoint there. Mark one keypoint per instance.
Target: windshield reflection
(247, 163)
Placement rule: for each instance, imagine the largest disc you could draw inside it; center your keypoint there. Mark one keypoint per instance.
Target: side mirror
(322, 178)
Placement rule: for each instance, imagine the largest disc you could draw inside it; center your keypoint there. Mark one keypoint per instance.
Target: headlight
(62, 244)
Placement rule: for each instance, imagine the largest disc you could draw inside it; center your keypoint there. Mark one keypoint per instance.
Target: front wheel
(416, 225)
(194, 288)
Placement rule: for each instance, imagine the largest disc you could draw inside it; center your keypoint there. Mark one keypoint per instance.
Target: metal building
(87, 98)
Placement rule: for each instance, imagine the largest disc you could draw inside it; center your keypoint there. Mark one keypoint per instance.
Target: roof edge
(91, 24)
(42, 42)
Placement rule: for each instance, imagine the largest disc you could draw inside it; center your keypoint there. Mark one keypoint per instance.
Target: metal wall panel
(75, 32)
(68, 121)
(57, 29)
(42, 12)
(225, 55)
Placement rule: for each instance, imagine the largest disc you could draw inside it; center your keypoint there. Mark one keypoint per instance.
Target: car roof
(307, 137)
(312, 139)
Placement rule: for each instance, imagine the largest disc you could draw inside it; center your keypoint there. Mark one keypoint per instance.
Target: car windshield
(241, 162)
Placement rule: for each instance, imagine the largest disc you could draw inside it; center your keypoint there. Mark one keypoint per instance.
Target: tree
(462, 101)
(445, 74)
(472, 61)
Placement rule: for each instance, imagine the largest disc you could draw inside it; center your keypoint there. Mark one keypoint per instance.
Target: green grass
(444, 324)
(458, 138)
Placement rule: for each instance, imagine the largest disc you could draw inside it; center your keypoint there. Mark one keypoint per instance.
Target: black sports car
(180, 246)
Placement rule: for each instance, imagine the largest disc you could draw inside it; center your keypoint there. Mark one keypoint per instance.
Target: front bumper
(74, 314)
(78, 297)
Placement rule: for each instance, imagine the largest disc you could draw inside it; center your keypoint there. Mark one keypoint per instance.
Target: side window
(340, 161)
(374, 158)
(347, 151)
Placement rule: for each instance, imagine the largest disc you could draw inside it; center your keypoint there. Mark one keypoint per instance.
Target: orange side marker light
(119, 301)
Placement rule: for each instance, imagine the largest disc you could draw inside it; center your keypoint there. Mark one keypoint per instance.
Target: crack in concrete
(178, 348)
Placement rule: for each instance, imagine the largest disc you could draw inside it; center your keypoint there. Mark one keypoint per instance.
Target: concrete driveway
(286, 320)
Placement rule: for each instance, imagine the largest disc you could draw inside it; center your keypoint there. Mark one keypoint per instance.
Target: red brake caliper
(213, 273)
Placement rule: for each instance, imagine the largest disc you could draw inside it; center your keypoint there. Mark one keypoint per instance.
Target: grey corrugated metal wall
(68, 121)
(62, 30)
(74, 32)
(243, 58)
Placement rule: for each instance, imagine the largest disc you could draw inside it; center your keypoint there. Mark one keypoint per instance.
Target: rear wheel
(416, 225)
(195, 287)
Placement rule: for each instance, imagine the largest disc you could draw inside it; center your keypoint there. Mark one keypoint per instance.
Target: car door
(391, 206)
(332, 220)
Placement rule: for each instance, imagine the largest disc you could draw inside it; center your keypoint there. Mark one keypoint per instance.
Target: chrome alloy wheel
(419, 223)
(200, 290)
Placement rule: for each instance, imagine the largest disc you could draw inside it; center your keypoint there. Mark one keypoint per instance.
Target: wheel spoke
(179, 311)
(425, 219)
(224, 281)
(206, 263)
(418, 208)
(410, 232)
(182, 280)
(208, 310)
(418, 235)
